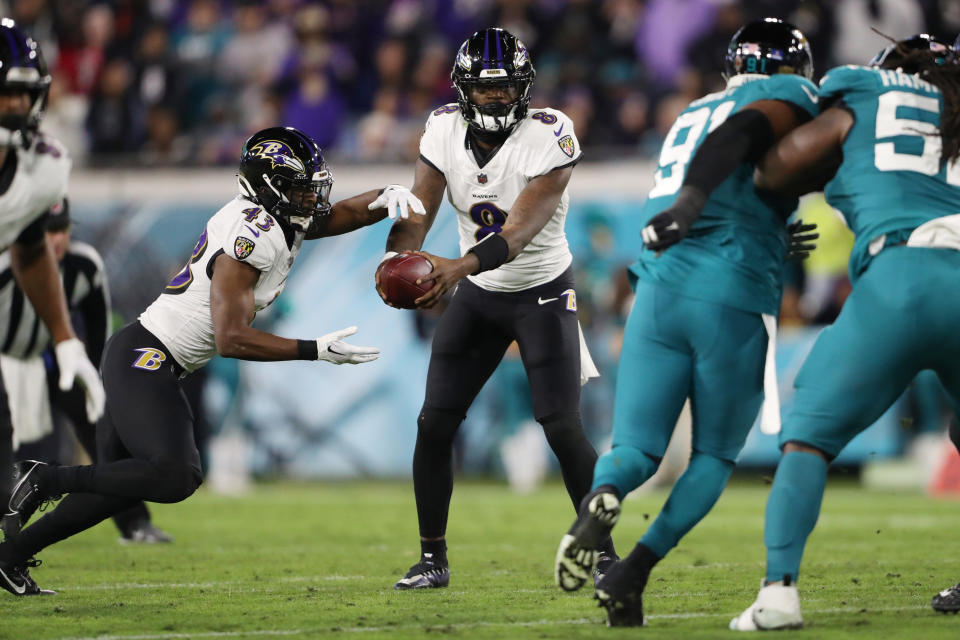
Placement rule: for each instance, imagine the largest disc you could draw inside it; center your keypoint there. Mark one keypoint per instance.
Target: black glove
(801, 241)
(669, 227)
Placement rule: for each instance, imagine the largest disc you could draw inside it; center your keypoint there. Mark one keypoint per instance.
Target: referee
(27, 339)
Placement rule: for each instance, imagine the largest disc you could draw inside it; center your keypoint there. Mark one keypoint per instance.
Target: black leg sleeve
(433, 470)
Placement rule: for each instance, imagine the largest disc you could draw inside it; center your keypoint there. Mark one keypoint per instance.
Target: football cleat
(16, 579)
(777, 607)
(144, 533)
(605, 560)
(578, 553)
(620, 592)
(26, 498)
(947, 601)
(426, 574)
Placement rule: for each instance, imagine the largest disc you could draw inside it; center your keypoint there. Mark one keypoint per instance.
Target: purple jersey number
(489, 217)
(183, 279)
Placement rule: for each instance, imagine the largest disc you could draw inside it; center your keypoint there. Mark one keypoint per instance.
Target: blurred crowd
(184, 82)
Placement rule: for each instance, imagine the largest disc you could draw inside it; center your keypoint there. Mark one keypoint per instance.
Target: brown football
(398, 279)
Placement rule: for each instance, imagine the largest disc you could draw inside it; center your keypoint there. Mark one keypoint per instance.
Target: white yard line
(459, 625)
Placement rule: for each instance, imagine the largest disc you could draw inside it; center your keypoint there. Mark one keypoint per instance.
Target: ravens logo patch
(243, 247)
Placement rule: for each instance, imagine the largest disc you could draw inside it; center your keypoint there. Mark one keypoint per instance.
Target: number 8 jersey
(734, 253)
(892, 179)
(483, 196)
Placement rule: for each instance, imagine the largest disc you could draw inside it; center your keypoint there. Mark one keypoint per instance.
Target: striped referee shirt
(88, 298)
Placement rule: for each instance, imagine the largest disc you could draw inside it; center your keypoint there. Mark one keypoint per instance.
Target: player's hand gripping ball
(397, 279)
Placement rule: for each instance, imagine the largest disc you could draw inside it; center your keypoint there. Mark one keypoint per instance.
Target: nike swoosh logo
(673, 226)
(557, 132)
(813, 97)
(545, 301)
(335, 352)
(20, 590)
(256, 234)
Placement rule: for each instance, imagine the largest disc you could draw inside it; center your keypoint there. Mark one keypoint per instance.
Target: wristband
(307, 350)
(492, 252)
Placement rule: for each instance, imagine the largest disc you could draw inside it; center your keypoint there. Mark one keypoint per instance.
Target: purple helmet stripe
(14, 45)
(311, 146)
(486, 49)
(499, 51)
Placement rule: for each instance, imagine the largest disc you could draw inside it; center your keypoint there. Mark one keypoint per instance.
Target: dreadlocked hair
(945, 75)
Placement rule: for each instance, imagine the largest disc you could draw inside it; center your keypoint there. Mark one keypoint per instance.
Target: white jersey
(181, 318)
(483, 196)
(39, 182)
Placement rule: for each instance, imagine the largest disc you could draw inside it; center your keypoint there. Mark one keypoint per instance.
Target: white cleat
(776, 607)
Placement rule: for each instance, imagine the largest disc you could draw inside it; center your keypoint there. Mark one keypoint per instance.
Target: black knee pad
(180, 480)
(437, 424)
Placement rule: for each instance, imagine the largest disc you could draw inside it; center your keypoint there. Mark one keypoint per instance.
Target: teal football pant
(902, 317)
(676, 347)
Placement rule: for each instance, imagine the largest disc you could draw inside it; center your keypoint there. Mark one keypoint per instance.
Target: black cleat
(947, 601)
(605, 560)
(16, 579)
(426, 574)
(144, 533)
(579, 552)
(26, 498)
(620, 592)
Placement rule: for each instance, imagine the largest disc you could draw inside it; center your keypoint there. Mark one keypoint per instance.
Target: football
(398, 279)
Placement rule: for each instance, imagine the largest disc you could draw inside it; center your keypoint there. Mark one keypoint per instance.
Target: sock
(792, 511)
(692, 497)
(436, 550)
(624, 467)
(642, 560)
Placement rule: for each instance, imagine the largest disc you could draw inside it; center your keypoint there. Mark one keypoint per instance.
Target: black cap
(58, 217)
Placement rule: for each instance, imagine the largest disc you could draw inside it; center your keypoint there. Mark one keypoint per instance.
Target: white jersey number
(889, 124)
(674, 156)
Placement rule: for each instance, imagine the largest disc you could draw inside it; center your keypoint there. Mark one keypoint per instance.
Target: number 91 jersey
(181, 318)
(892, 179)
(483, 196)
(734, 253)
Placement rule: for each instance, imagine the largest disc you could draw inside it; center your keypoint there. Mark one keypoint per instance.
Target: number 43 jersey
(242, 230)
(892, 179)
(734, 253)
(483, 196)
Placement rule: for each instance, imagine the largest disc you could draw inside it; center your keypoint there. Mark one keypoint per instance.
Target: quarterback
(239, 266)
(505, 168)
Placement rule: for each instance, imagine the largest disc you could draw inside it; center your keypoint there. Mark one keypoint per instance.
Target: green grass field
(319, 560)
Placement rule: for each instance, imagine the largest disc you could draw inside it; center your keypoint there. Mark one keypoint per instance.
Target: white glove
(332, 349)
(397, 199)
(73, 362)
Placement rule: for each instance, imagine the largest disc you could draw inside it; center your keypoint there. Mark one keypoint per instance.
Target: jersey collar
(744, 78)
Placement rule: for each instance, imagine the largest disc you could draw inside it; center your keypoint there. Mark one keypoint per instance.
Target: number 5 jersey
(484, 195)
(242, 230)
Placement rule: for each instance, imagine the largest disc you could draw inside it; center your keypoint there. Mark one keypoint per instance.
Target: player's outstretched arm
(806, 158)
(232, 310)
(395, 201)
(408, 234)
(744, 136)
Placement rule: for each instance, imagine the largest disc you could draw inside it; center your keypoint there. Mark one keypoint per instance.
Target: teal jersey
(892, 178)
(733, 255)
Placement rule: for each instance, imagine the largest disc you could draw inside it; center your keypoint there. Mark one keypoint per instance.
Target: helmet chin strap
(498, 124)
(11, 138)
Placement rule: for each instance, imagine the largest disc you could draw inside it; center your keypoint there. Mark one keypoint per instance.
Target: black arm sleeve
(743, 137)
(95, 311)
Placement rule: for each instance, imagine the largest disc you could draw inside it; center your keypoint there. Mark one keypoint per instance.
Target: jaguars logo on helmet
(22, 68)
(277, 161)
(768, 47)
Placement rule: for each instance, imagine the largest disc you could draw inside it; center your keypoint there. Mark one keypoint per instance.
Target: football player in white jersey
(505, 168)
(239, 266)
(33, 176)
